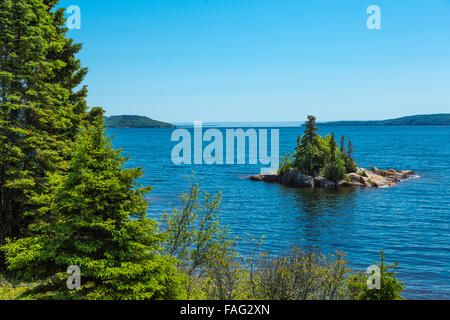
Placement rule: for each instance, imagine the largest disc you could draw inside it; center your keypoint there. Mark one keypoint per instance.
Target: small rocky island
(374, 177)
(318, 163)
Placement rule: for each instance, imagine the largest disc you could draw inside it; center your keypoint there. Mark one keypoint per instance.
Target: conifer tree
(40, 108)
(310, 131)
(310, 156)
(343, 150)
(333, 146)
(350, 148)
(97, 221)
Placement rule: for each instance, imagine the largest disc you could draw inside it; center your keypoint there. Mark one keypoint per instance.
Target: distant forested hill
(442, 119)
(134, 122)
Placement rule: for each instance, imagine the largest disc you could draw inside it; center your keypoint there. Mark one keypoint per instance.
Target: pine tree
(310, 131)
(350, 148)
(97, 221)
(310, 156)
(40, 108)
(343, 150)
(333, 146)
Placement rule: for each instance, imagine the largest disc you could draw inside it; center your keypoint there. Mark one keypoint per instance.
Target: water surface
(409, 221)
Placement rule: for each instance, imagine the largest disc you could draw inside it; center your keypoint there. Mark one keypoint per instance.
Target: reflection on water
(317, 211)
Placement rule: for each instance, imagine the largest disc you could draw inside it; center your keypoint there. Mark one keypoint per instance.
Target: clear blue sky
(265, 60)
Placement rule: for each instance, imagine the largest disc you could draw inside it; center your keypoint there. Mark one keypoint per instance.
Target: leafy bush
(203, 248)
(335, 171)
(286, 163)
(310, 159)
(299, 275)
(315, 154)
(8, 291)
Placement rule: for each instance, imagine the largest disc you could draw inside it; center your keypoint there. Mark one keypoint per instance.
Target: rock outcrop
(373, 178)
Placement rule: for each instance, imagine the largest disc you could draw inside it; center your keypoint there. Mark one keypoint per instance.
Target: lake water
(409, 221)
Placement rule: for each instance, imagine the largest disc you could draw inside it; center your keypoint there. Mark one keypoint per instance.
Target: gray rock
(303, 181)
(373, 178)
(271, 176)
(344, 183)
(322, 182)
(287, 178)
(354, 177)
(257, 177)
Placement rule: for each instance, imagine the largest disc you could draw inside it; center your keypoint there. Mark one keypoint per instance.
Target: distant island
(126, 121)
(442, 119)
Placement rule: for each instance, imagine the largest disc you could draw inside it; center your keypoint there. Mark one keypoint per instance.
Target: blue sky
(265, 60)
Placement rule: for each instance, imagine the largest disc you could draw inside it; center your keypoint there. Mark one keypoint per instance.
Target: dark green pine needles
(41, 106)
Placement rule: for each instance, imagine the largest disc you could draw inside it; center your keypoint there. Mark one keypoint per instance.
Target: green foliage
(41, 107)
(310, 131)
(203, 248)
(96, 219)
(335, 171)
(343, 149)
(390, 289)
(134, 122)
(9, 291)
(310, 158)
(317, 155)
(286, 163)
(299, 275)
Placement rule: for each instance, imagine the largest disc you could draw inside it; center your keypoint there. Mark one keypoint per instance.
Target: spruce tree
(97, 221)
(310, 131)
(310, 156)
(333, 146)
(343, 150)
(350, 148)
(40, 108)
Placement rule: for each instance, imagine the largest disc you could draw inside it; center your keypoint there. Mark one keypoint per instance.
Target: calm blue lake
(409, 221)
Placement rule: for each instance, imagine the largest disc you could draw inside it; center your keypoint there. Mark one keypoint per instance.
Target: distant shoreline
(428, 120)
(135, 122)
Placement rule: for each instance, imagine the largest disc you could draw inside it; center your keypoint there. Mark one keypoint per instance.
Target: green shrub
(310, 159)
(335, 171)
(350, 165)
(286, 163)
(205, 250)
(390, 289)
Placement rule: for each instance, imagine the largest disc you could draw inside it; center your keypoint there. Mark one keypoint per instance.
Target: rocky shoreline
(363, 178)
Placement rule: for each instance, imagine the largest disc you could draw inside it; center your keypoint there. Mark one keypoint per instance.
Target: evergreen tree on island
(316, 155)
(310, 131)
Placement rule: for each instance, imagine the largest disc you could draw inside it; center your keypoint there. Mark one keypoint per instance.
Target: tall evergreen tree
(343, 150)
(310, 156)
(97, 221)
(350, 148)
(310, 131)
(333, 146)
(40, 108)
